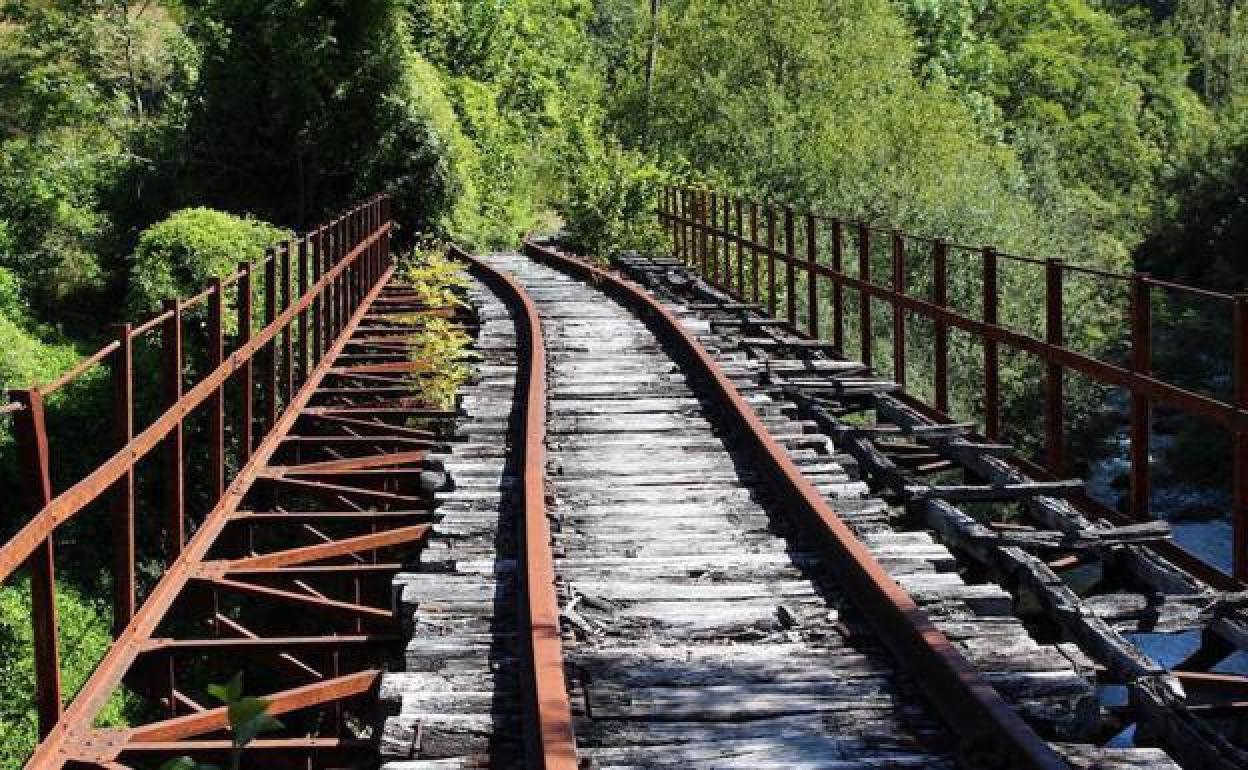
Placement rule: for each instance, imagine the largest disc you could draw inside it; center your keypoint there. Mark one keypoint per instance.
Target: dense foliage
(180, 255)
(84, 626)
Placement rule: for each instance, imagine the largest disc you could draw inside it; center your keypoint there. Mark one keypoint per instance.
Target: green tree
(302, 107)
(180, 255)
(87, 88)
(1094, 100)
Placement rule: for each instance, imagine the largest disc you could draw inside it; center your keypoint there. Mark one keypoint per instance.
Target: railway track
(646, 556)
(661, 529)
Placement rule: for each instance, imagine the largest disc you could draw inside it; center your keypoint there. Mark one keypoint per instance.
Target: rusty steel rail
(549, 740)
(343, 267)
(971, 707)
(705, 226)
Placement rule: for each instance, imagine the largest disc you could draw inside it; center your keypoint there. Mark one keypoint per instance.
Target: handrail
(704, 232)
(70, 502)
(848, 220)
(347, 262)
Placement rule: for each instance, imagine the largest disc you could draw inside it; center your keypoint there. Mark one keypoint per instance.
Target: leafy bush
(609, 205)
(85, 636)
(436, 280)
(180, 255)
(439, 349)
(422, 158)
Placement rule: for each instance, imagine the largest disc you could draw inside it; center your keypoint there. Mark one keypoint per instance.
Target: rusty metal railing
(310, 287)
(770, 255)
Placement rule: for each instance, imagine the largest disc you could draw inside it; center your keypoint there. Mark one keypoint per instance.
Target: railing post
(370, 228)
(357, 240)
(940, 345)
(333, 303)
(771, 260)
(864, 296)
(690, 226)
(348, 271)
(812, 276)
(713, 275)
(899, 310)
(1055, 335)
(269, 382)
(246, 418)
(1239, 522)
(383, 242)
(122, 498)
(315, 257)
(727, 228)
(661, 211)
(667, 206)
(288, 346)
(838, 293)
(327, 296)
(365, 230)
(704, 245)
(740, 217)
(303, 314)
(366, 258)
(340, 283)
(31, 436)
(385, 239)
(790, 268)
(216, 403)
(754, 262)
(682, 210)
(331, 289)
(175, 487)
(992, 365)
(1141, 408)
(357, 264)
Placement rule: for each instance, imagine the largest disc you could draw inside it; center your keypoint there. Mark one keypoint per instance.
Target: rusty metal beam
(317, 747)
(358, 463)
(331, 606)
(356, 569)
(386, 428)
(322, 551)
(248, 645)
(212, 720)
(338, 490)
(31, 436)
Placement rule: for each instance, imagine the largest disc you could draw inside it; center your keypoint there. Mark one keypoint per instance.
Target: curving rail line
(972, 707)
(549, 742)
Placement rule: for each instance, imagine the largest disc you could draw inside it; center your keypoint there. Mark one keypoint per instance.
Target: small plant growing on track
(248, 717)
(436, 279)
(439, 347)
(439, 352)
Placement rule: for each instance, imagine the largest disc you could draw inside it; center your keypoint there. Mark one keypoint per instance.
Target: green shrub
(85, 636)
(180, 255)
(29, 353)
(609, 205)
(422, 158)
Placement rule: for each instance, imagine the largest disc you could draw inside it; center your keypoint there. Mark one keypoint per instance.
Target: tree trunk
(652, 56)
